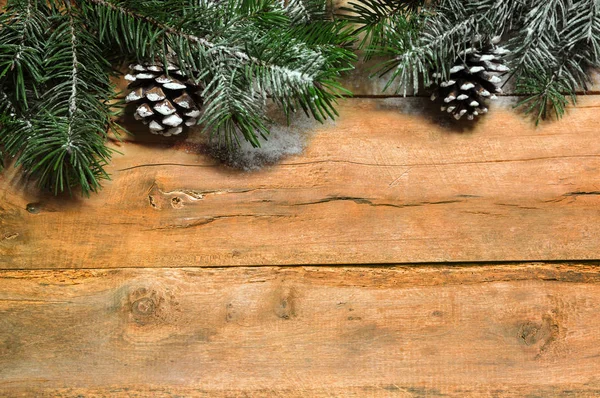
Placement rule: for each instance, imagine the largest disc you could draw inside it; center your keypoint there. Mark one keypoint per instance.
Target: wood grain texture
(388, 183)
(511, 330)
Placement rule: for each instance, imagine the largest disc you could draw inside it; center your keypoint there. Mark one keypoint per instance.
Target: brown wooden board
(513, 330)
(389, 182)
(392, 181)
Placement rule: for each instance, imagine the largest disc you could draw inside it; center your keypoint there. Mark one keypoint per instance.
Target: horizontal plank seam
(463, 264)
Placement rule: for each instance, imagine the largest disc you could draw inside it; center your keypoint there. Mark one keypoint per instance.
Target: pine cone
(168, 101)
(473, 79)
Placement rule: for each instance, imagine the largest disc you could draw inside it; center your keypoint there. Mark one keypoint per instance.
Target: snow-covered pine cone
(166, 100)
(474, 78)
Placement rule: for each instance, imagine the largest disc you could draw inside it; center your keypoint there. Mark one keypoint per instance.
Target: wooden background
(399, 255)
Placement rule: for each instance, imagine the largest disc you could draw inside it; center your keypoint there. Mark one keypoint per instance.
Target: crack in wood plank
(375, 164)
(582, 193)
(442, 163)
(211, 219)
(518, 206)
(364, 201)
(167, 164)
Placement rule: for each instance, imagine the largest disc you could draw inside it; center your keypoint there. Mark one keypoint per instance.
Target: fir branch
(74, 81)
(230, 107)
(277, 63)
(545, 95)
(12, 126)
(164, 28)
(581, 36)
(552, 44)
(22, 24)
(563, 52)
(65, 144)
(376, 18)
(242, 53)
(533, 47)
(21, 34)
(8, 123)
(416, 56)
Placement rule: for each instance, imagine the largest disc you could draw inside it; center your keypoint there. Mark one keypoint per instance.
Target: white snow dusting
(283, 141)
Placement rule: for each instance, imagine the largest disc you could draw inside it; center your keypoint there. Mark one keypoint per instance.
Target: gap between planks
(459, 266)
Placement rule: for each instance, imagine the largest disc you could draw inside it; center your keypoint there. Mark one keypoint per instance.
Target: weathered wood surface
(388, 183)
(504, 330)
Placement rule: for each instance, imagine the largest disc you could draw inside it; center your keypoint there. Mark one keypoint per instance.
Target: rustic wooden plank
(502, 330)
(390, 182)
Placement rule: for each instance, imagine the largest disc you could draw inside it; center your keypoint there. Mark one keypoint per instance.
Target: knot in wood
(285, 304)
(176, 202)
(529, 333)
(540, 334)
(33, 208)
(144, 306)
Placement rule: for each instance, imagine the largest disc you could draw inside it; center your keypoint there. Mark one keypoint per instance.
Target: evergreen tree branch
(552, 43)
(563, 53)
(278, 64)
(242, 53)
(375, 18)
(230, 107)
(20, 52)
(170, 30)
(62, 144)
(416, 56)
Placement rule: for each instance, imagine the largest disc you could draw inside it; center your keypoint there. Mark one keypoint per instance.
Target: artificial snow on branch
(549, 45)
(232, 56)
